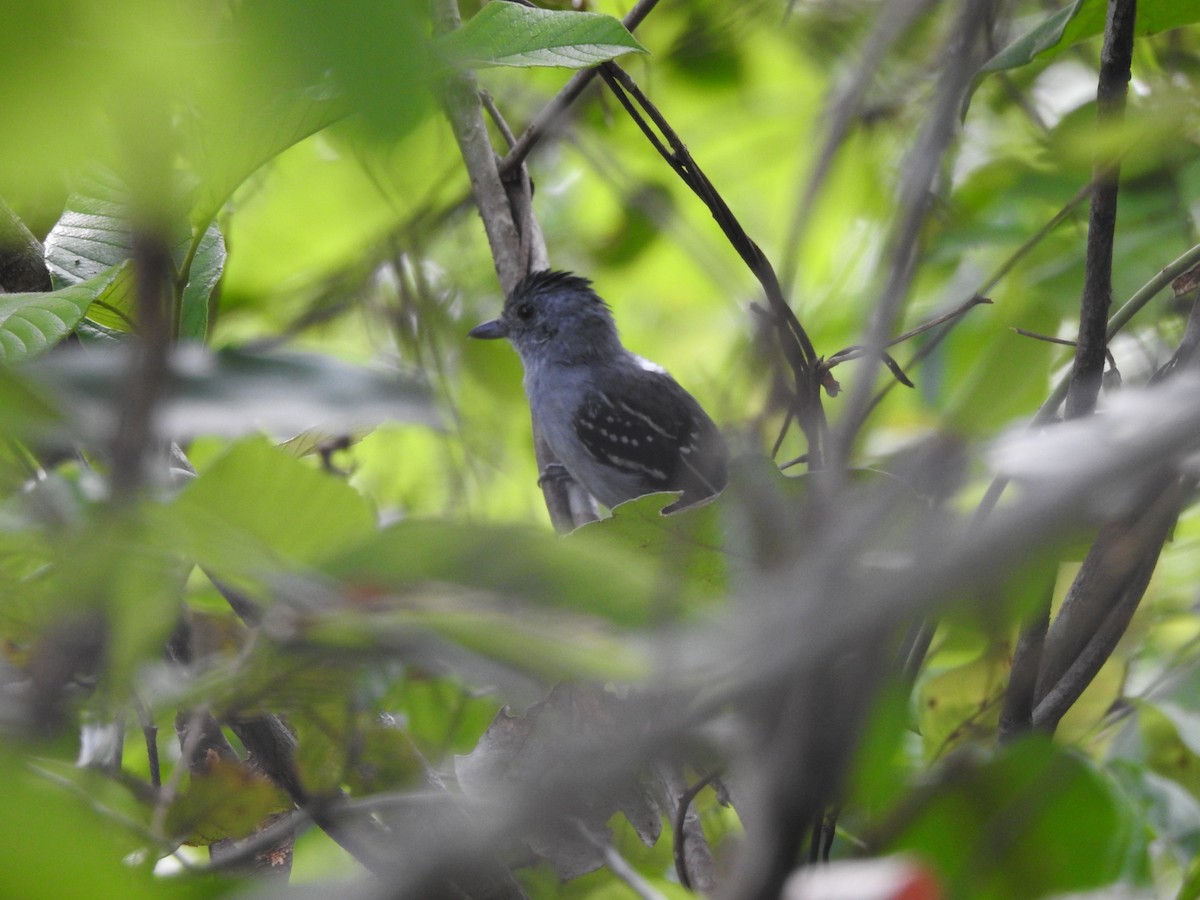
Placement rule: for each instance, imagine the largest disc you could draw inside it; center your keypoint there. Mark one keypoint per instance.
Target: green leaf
(257, 505)
(1031, 821)
(1085, 19)
(522, 563)
(1186, 722)
(244, 133)
(506, 34)
(33, 323)
(38, 820)
(204, 274)
(95, 233)
(687, 545)
(225, 800)
(234, 392)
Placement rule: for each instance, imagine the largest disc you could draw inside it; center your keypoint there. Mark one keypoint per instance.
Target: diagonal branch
(794, 340)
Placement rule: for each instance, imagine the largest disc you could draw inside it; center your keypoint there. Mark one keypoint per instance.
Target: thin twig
(680, 833)
(1115, 61)
(619, 866)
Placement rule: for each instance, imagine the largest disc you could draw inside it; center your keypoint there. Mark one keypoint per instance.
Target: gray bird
(619, 424)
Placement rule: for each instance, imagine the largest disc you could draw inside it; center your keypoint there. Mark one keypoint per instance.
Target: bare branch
(1115, 60)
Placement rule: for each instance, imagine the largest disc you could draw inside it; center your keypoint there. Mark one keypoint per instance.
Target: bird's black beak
(489, 330)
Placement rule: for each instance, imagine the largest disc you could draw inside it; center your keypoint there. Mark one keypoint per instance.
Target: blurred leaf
(526, 564)
(551, 646)
(1170, 814)
(41, 828)
(227, 799)
(961, 704)
(383, 758)
(33, 323)
(688, 545)
(257, 505)
(1166, 750)
(374, 51)
(232, 392)
(1186, 722)
(246, 132)
(1033, 820)
(881, 767)
(1084, 19)
(507, 34)
(526, 749)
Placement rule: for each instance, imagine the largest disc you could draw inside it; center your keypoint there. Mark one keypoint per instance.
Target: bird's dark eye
(525, 311)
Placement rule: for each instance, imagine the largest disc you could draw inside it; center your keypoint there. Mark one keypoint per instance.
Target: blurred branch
(147, 367)
(1115, 60)
(22, 263)
(841, 111)
(1101, 602)
(964, 50)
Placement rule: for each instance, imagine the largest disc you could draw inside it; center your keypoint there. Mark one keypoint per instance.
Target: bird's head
(554, 316)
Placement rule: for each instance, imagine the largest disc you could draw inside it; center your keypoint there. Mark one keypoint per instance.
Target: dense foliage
(279, 593)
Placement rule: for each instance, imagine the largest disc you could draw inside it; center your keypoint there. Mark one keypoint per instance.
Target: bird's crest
(546, 280)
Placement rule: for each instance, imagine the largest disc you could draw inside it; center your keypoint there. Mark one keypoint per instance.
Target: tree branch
(1115, 61)
(515, 240)
(793, 339)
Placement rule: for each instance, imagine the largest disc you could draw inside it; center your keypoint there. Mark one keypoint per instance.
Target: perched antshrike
(619, 424)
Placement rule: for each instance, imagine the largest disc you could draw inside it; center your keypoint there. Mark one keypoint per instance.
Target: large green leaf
(1084, 19)
(234, 140)
(33, 323)
(521, 563)
(95, 233)
(39, 822)
(688, 545)
(1033, 820)
(507, 34)
(258, 507)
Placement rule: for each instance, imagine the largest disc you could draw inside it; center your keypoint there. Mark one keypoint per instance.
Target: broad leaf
(1033, 820)
(240, 137)
(226, 800)
(95, 233)
(506, 34)
(688, 545)
(1085, 19)
(524, 564)
(257, 505)
(33, 323)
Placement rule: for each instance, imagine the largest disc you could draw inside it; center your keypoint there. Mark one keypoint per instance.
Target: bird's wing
(655, 431)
